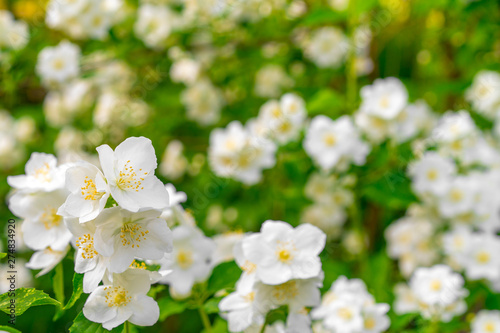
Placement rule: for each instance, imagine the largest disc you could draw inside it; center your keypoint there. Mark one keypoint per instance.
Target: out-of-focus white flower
(123, 299)
(185, 71)
(23, 277)
(486, 321)
(190, 260)
(458, 198)
(282, 253)
(129, 171)
(42, 174)
(482, 260)
(281, 121)
(203, 102)
(123, 236)
(413, 119)
(333, 143)
(235, 153)
(59, 64)
(89, 192)
(385, 98)
(225, 243)
(46, 259)
(406, 301)
(42, 226)
(439, 292)
(432, 173)
(348, 308)
(271, 81)
(173, 163)
(83, 18)
(15, 34)
(484, 94)
(153, 25)
(328, 47)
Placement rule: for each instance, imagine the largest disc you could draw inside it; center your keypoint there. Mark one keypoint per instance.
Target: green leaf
(3, 255)
(326, 101)
(212, 305)
(77, 290)
(83, 325)
(219, 326)
(224, 276)
(323, 16)
(169, 307)
(9, 329)
(26, 298)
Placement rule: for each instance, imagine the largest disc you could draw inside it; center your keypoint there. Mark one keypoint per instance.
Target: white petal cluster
(386, 113)
(234, 152)
(331, 195)
(203, 102)
(327, 47)
(484, 93)
(66, 203)
(83, 19)
(335, 144)
(437, 293)
(281, 267)
(486, 321)
(15, 34)
(153, 25)
(281, 121)
(271, 81)
(349, 308)
(14, 135)
(59, 64)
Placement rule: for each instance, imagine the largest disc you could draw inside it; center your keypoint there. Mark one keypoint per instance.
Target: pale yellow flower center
(128, 178)
(132, 233)
(86, 244)
(184, 259)
(50, 219)
(89, 191)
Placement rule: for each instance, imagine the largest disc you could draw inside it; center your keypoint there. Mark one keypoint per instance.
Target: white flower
(439, 291)
(190, 260)
(185, 71)
(385, 98)
(42, 226)
(173, 164)
(484, 94)
(203, 102)
(453, 127)
(348, 308)
(458, 197)
(88, 192)
(432, 173)
(123, 299)
(235, 153)
(482, 259)
(406, 301)
(15, 34)
(46, 259)
(225, 244)
(331, 142)
(59, 64)
(42, 174)
(241, 310)
(153, 25)
(412, 120)
(87, 260)
(457, 243)
(282, 253)
(123, 236)
(486, 321)
(271, 81)
(129, 171)
(296, 294)
(328, 47)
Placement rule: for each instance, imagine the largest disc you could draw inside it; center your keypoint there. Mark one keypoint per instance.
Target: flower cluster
(349, 308)
(67, 203)
(436, 292)
(84, 19)
(281, 267)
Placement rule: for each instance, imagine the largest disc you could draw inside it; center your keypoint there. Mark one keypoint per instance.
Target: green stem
(127, 327)
(205, 319)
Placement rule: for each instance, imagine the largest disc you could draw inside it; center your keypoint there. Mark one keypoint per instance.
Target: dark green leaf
(83, 325)
(170, 307)
(224, 276)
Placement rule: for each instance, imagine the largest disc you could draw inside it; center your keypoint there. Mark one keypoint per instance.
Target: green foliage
(83, 325)
(26, 298)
